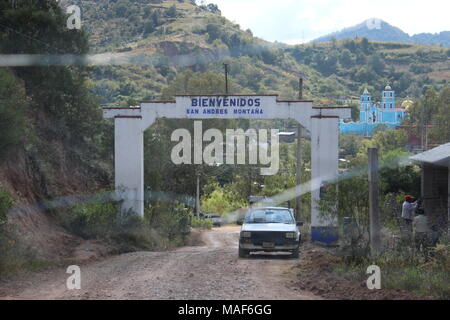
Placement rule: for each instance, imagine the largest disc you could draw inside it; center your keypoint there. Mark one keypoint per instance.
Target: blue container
(325, 235)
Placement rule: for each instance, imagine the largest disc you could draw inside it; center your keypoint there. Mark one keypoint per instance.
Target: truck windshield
(269, 216)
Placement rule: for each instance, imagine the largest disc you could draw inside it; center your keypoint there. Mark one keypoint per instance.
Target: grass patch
(15, 256)
(407, 271)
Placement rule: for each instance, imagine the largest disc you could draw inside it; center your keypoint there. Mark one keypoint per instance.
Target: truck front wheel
(243, 253)
(295, 253)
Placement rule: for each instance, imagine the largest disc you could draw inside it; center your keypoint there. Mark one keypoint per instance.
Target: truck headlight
(291, 235)
(246, 234)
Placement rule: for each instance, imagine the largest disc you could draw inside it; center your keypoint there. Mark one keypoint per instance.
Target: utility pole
(197, 196)
(225, 65)
(300, 88)
(374, 207)
(423, 127)
(298, 172)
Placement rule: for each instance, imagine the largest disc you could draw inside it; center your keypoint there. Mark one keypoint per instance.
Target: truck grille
(277, 237)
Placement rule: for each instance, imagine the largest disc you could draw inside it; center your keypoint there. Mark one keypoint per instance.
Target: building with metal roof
(435, 184)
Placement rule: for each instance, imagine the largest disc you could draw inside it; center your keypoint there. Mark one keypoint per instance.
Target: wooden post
(298, 172)
(374, 207)
(448, 200)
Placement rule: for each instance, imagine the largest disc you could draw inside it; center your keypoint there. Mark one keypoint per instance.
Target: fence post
(374, 198)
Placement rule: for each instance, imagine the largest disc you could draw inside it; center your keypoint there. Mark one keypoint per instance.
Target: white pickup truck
(269, 229)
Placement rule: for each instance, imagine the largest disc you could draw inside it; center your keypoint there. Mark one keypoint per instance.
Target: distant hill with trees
(178, 35)
(379, 30)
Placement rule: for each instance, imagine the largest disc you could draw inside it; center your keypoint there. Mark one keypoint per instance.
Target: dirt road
(209, 271)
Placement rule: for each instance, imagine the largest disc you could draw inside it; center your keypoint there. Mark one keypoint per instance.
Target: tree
(172, 12)
(345, 58)
(149, 27)
(121, 8)
(326, 63)
(12, 112)
(422, 111)
(364, 74)
(211, 7)
(404, 82)
(61, 93)
(365, 45)
(389, 140)
(156, 18)
(213, 31)
(440, 132)
(347, 201)
(398, 178)
(268, 56)
(377, 64)
(350, 45)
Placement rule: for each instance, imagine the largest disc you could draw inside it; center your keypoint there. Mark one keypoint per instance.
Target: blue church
(373, 114)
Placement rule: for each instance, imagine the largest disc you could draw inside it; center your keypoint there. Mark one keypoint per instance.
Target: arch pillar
(129, 163)
(324, 169)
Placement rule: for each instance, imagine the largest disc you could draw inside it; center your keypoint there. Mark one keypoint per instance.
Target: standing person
(421, 231)
(408, 208)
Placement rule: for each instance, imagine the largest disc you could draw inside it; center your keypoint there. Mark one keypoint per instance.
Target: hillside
(50, 139)
(179, 35)
(379, 30)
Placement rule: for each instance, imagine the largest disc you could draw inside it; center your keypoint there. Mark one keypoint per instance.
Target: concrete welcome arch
(130, 124)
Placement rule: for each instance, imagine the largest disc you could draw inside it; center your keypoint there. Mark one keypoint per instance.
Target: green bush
(169, 222)
(97, 220)
(128, 232)
(164, 225)
(201, 223)
(6, 203)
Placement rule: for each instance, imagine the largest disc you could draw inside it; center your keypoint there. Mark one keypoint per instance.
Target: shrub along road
(210, 270)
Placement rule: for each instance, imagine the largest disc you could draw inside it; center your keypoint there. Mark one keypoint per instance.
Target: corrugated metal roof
(439, 155)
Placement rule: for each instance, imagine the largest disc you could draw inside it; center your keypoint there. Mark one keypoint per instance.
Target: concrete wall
(435, 192)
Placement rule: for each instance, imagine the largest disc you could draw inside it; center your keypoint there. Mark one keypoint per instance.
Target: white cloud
(285, 20)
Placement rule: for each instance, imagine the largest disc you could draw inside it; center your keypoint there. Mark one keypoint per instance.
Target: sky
(296, 21)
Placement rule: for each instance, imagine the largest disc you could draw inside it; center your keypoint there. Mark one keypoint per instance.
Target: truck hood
(269, 227)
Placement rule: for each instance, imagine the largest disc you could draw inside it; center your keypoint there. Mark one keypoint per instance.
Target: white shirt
(408, 210)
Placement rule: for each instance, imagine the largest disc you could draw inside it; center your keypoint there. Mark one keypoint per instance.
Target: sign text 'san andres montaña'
(225, 105)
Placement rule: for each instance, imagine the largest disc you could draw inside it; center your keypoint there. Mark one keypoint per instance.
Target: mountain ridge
(378, 30)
